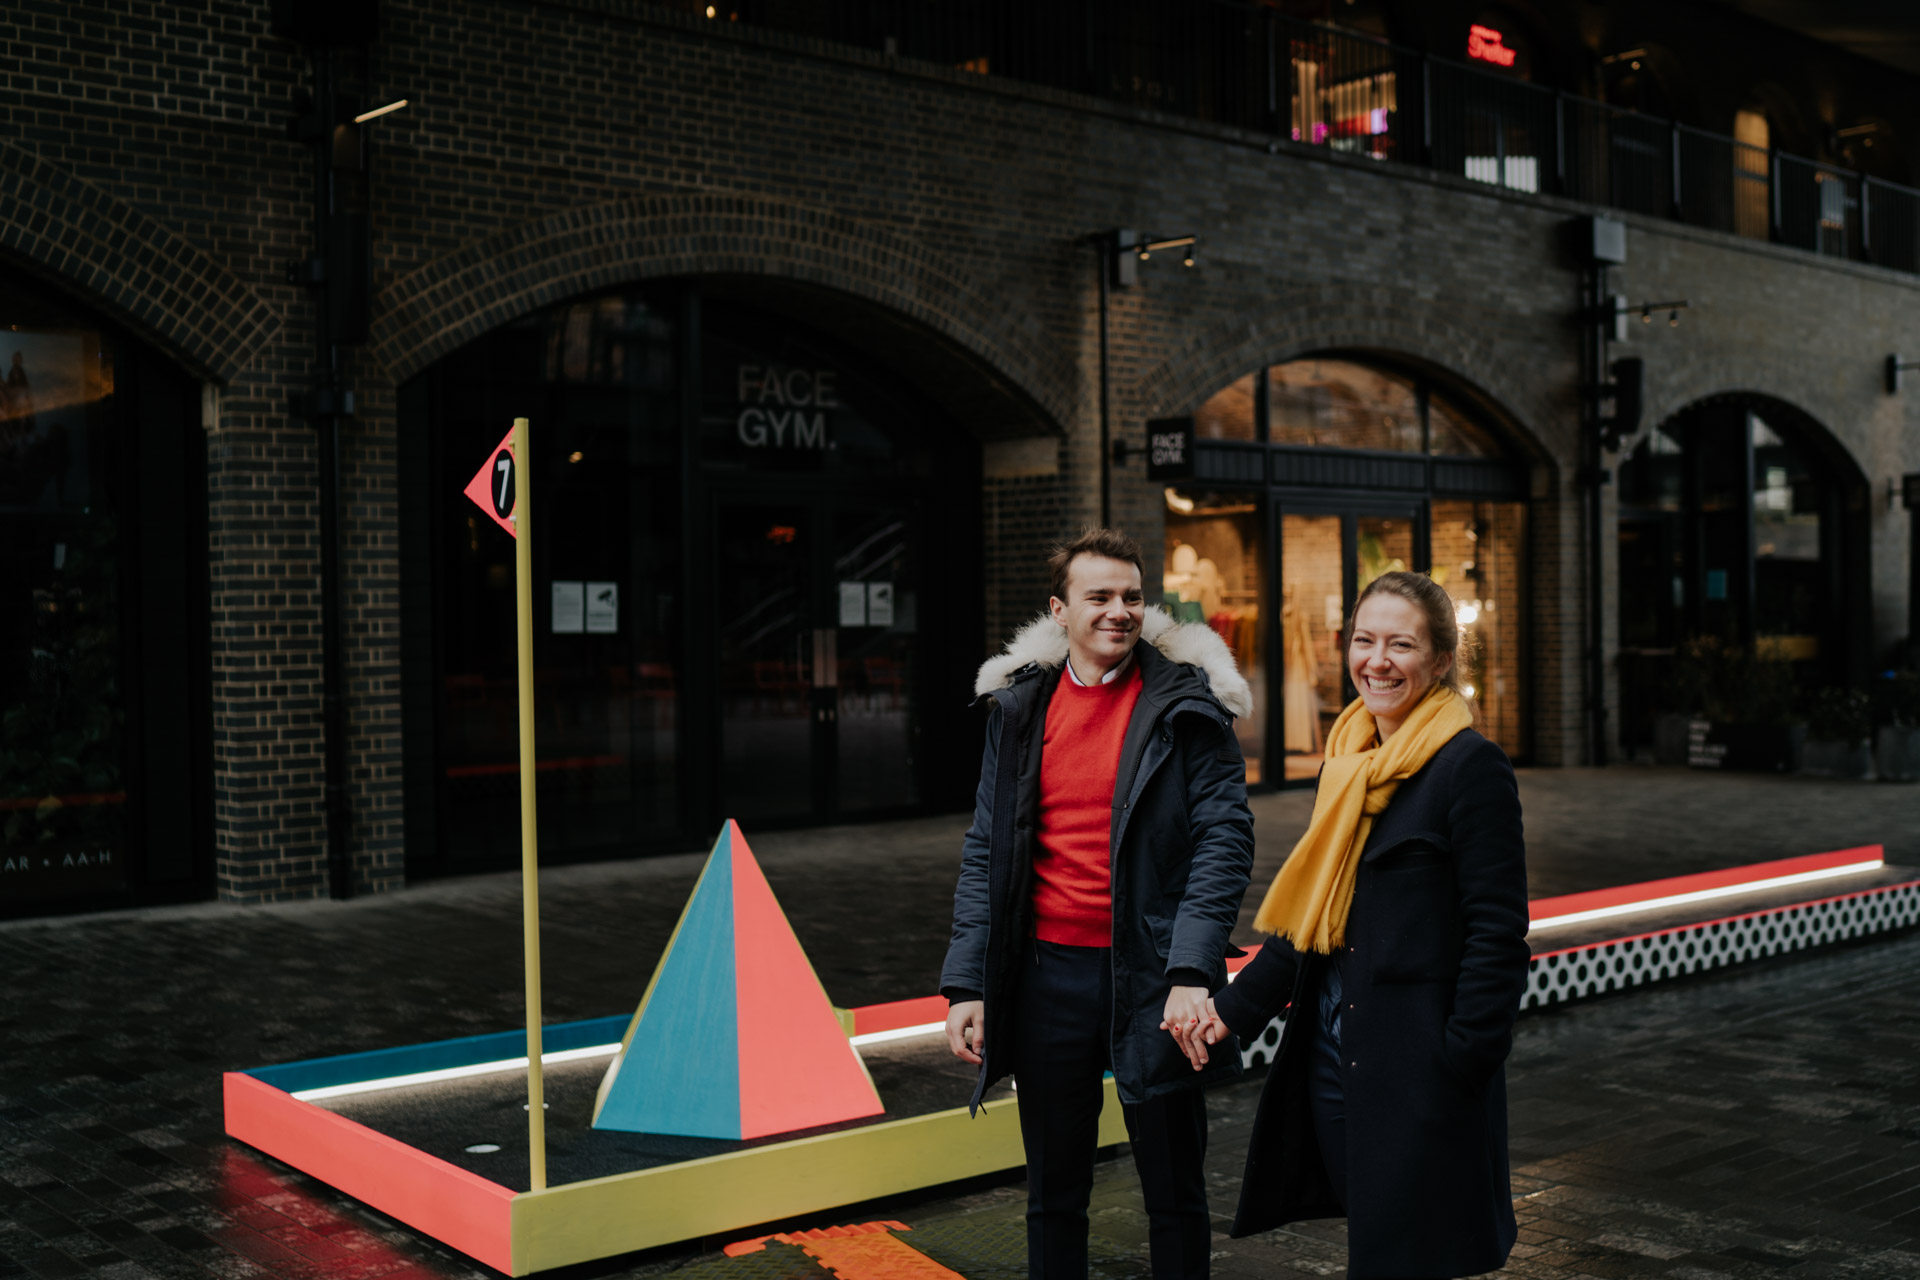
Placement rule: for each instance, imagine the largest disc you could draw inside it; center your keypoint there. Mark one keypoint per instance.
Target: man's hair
(1093, 541)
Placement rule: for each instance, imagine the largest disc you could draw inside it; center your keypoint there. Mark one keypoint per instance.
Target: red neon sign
(1485, 44)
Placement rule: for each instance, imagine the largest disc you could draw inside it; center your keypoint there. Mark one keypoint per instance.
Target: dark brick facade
(555, 149)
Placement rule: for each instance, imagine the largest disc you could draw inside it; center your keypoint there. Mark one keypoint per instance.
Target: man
(1110, 847)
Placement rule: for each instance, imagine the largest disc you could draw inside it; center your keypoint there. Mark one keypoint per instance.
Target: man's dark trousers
(1063, 1022)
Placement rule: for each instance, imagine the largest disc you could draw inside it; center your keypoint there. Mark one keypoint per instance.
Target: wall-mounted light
(1895, 366)
(1146, 249)
(398, 104)
(1621, 307)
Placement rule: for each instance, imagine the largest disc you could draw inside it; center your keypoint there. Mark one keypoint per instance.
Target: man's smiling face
(1102, 613)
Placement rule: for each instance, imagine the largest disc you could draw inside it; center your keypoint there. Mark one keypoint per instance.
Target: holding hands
(1193, 1022)
(1189, 1017)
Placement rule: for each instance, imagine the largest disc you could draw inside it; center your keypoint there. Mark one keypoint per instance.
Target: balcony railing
(1245, 66)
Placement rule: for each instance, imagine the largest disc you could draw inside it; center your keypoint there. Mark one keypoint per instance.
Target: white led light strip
(1706, 895)
(454, 1073)
(547, 1059)
(899, 1033)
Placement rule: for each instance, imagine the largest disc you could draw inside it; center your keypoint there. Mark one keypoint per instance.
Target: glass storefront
(758, 609)
(1737, 526)
(1371, 468)
(102, 728)
(1216, 574)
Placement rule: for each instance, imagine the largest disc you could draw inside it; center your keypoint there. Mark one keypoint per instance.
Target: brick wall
(554, 149)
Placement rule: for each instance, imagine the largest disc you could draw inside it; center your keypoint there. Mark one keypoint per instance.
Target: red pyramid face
(797, 1069)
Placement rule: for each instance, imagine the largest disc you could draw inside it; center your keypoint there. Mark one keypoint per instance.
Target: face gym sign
(783, 407)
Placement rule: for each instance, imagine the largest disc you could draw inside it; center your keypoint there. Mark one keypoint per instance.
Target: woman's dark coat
(1435, 963)
(1182, 854)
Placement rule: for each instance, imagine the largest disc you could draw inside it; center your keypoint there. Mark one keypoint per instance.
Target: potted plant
(1896, 743)
(1839, 735)
(1745, 705)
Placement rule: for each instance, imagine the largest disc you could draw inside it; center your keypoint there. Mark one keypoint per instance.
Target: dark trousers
(1327, 1100)
(1063, 1023)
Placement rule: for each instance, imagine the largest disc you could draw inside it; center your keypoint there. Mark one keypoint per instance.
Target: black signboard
(1910, 490)
(1170, 449)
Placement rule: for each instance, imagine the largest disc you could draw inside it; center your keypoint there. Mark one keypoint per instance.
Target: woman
(1401, 920)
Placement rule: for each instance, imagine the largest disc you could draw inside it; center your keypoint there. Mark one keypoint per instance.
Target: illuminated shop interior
(1370, 467)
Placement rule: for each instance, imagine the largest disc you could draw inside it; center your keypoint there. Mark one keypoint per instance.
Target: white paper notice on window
(853, 604)
(603, 606)
(569, 607)
(879, 604)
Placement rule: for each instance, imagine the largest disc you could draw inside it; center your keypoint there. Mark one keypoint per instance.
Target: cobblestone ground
(1761, 1122)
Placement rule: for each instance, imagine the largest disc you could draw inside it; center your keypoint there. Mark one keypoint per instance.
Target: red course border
(445, 1201)
(1624, 895)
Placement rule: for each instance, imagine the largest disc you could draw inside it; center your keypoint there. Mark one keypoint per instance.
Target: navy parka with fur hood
(1182, 845)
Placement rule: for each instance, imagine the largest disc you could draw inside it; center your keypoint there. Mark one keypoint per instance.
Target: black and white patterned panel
(1557, 976)
(1261, 1052)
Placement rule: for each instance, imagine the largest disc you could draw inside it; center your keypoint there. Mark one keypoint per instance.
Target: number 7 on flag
(495, 487)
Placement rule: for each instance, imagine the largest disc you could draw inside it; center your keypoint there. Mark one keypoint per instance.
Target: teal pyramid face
(680, 1073)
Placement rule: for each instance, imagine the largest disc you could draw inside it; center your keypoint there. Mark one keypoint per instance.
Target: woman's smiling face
(1391, 659)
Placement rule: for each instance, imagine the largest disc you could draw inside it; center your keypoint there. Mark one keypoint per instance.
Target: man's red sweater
(1080, 756)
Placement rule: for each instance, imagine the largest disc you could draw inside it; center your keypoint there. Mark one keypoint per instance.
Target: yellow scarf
(1308, 901)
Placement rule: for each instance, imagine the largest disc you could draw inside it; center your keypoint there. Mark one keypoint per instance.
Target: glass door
(876, 612)
(1329, 550)
(816, 638)
(1313, 614)
(769, 645)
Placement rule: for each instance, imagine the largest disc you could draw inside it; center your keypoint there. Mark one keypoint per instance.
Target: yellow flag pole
(529, 824)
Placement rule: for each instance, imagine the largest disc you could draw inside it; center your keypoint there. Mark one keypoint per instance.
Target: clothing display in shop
(1193, 577)
(1239, 626)
(1300, 693)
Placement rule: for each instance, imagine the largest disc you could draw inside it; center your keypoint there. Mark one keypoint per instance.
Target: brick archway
(129, 266)
(1352, 318)
(432, 311)
(1776, 385)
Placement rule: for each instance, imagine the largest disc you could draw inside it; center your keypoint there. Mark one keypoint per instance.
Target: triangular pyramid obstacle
(735, 1037)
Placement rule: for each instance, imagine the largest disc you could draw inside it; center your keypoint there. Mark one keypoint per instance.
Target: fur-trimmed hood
(1192, 644)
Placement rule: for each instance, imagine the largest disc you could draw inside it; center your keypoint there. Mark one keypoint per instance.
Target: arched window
(102, 613)
(1739, 523)
(1337, 402)
(1370, 466)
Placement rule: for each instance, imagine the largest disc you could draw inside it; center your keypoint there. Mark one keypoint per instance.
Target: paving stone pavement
(1758, 1122)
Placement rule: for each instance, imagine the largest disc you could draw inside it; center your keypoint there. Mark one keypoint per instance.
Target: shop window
(1733, 528)
(103, 750)
(1341, 523)
(1476, 553)
(1752, 174)
(1652, 477)
(596, 379)
(1228, 415)
(774, 399)
(1790, 596)
(63, 734)
(1452, 430)
(1313, 618)
(1344, 405)
(1216, 574)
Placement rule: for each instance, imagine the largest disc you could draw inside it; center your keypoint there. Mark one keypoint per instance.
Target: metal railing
(1242, 65)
